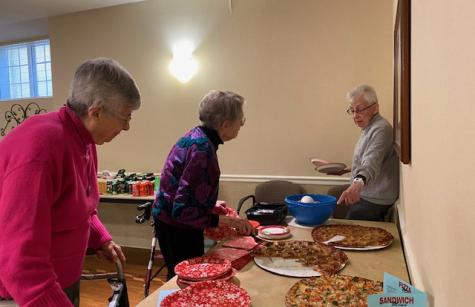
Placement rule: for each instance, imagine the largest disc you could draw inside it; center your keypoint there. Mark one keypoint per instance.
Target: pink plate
(201, 268)
(183, 283)
(208, 293)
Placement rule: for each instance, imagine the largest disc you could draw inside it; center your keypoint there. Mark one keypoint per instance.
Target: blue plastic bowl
(313, 213)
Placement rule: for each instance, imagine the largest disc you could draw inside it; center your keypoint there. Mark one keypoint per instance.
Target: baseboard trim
(409, 256)
(312, 180)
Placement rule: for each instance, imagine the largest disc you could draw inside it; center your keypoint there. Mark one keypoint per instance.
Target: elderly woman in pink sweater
(48, 188)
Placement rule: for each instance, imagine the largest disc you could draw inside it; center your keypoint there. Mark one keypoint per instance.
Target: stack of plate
(209, 293)
(202, 269)
(273, 232)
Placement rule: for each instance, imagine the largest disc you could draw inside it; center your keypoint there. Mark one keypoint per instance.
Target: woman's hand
(242, 226)
(352, 194)
(111, 251)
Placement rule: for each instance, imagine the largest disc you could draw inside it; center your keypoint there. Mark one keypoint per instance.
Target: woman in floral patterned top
(190, 180)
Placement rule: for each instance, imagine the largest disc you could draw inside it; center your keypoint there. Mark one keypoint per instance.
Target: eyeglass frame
(352, 111)
(120, 116)
(126, 119)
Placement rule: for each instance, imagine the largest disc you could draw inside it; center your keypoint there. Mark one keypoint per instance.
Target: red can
(144, 188)
(135, 188)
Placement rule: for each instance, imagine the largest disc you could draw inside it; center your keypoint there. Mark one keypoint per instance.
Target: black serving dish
(267, 214)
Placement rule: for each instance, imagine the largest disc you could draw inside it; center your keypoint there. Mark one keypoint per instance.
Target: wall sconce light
(183, 66)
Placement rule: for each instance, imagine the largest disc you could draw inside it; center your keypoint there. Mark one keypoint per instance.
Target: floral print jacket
(189, 181)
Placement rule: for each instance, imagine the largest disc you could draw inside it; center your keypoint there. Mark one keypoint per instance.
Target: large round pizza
(337, 290)
(355, 236)
(322, 258)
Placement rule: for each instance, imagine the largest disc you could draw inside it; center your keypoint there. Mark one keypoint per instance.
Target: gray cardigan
(375, 159)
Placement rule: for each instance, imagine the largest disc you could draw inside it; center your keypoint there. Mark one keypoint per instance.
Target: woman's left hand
(111, 251)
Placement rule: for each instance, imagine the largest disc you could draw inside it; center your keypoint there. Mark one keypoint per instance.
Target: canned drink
(129, 187)
(120, 173)
(115, 187)
(121, 186)
(144, 188)
(109, 186)
(135, 188)
(102, 185)
(157, 183)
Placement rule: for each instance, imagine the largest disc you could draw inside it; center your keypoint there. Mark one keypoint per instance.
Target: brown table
(267, 289)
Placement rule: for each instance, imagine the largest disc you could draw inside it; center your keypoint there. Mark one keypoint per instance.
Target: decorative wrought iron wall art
(17, 114)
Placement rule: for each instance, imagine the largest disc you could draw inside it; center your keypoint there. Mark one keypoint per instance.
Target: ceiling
(14, 11)
(21, 19)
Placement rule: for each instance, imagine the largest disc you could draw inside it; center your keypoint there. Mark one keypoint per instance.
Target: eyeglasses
(124, 119)
(352, 111)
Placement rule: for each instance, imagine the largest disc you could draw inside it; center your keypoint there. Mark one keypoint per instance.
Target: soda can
(157, 184)
(129, 186)
(102, 184)
(121, 186)
(115, 187)
(144, 188)
(135, 188)
(109, 186)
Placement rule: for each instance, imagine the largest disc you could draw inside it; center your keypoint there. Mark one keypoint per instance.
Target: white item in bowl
(307, 200)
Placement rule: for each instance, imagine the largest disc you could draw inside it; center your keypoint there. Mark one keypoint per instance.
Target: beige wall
(437, 189)
(293, 61)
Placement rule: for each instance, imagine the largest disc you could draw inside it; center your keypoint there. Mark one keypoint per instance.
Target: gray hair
(97, 81)
(218, 106)
(368, 93)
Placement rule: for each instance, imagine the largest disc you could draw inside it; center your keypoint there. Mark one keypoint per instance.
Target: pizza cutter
(334, 239)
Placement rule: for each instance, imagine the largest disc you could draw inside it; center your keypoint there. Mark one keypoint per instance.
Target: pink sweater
(48, 200)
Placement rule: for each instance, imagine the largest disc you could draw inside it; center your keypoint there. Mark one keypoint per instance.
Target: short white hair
(368, 93)
(218, 106)
(97, 81)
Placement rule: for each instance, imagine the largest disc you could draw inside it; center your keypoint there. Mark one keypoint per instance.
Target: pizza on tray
(337, 290)
(356, 236)
(322, 258)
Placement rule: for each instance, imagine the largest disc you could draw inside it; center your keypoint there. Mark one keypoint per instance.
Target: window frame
(33, 82)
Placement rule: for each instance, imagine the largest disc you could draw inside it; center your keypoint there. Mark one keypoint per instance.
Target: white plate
(286, 267)
(367, 248)
(273, 230)
(331, 168)
(271, 238)
(294, 223)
